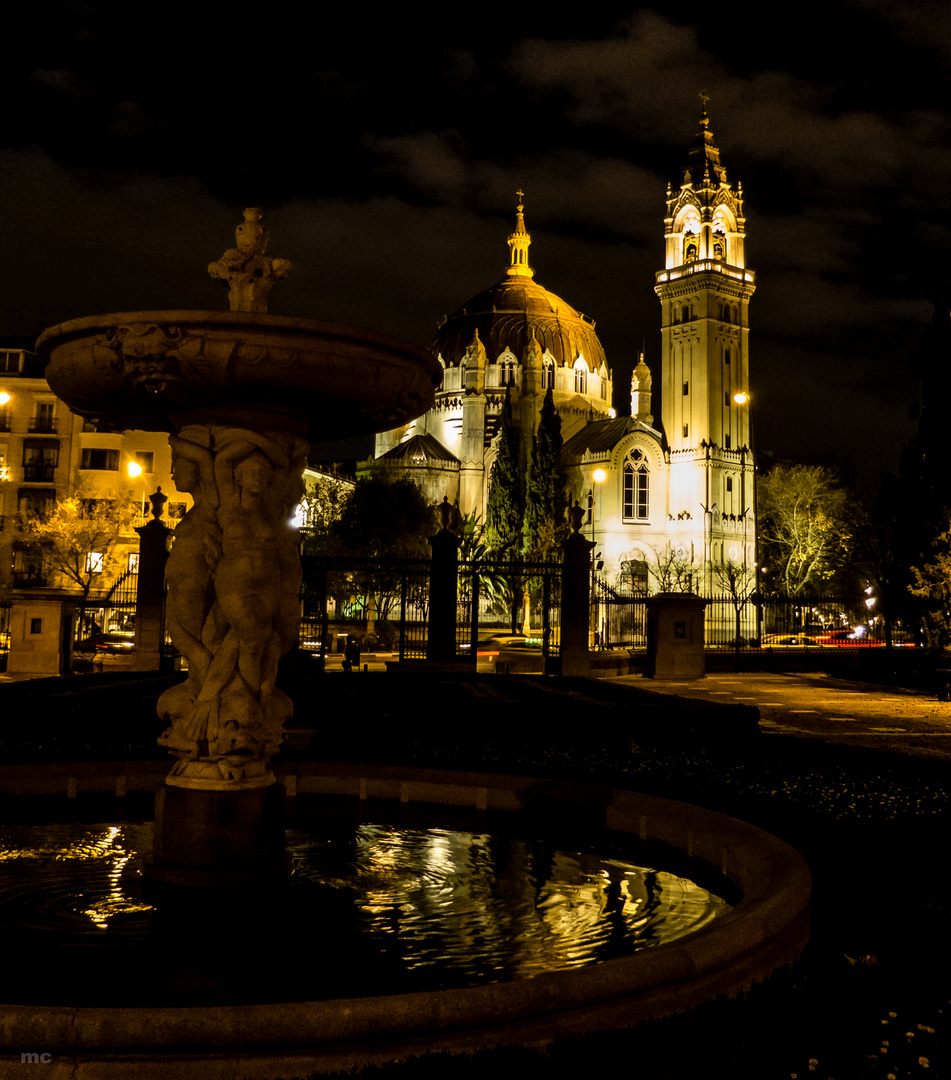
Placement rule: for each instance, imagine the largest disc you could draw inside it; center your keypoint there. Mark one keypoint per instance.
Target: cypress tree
(545, 491)
(505, 507)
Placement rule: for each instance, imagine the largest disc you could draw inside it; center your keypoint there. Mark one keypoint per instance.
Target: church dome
(513, 311)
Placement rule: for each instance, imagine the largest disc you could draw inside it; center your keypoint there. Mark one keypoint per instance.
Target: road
(813, 705)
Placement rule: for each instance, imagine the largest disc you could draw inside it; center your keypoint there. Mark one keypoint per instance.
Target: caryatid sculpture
(233, 602)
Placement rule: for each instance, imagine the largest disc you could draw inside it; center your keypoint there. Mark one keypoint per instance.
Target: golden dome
(507, 314)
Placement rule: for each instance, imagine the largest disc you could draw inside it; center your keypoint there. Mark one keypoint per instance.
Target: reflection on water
(370, 909)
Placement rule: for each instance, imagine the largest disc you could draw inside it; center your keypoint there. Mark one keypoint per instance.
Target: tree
(805, 528)
(737, 582)
(381, 519)
(671, 569)
(546, 499)
(322, 506)
(505, 508)
(933, 586)
(385, 519)
(76, 540)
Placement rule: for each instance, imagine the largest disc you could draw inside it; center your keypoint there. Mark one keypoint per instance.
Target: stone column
(443, 588)
(575, 598)
(41, 622)
(150, 593)
(675, 636)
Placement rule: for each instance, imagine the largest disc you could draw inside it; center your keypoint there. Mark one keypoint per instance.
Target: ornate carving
(234, 582)
(245, 269)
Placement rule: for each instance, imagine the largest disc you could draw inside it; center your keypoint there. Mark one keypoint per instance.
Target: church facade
(674, 496)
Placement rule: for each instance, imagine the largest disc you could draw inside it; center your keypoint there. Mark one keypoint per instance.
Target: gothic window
(507, 373)
(691, 247)
(727, 356)
(719, 245)
(686, 388)
(636, 496)
(727, 442)
(548, 375)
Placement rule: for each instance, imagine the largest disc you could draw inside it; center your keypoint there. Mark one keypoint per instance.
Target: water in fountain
(370, 909)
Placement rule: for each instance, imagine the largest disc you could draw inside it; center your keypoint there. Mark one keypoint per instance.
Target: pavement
(814, 705)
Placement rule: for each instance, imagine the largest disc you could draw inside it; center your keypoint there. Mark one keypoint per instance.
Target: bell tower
(705, 291)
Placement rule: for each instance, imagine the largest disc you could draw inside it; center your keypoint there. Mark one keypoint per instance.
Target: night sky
(386, 151)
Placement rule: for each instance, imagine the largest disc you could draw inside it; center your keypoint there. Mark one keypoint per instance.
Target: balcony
(42, 425)
(39, 473)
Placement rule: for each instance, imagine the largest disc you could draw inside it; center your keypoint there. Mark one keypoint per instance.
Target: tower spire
(519, 243)
(705, 167)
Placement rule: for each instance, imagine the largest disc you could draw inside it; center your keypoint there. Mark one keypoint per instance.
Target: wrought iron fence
(386, 603)
(4, 633)
(522, 598)
(386, 600)
(619, 620)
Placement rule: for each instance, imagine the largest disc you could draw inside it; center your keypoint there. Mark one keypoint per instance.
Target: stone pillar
(443, 584)
(41, 632)
(675, 636)
(575, 599)
(150, 594)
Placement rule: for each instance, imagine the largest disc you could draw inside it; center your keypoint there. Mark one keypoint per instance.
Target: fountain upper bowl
(160, 370)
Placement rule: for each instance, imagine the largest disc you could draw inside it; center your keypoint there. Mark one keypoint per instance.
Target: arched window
(507, 373)
(581, 377)
(636, 497)
(548, 375)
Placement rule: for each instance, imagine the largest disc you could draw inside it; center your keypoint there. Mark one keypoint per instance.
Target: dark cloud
(387, 156)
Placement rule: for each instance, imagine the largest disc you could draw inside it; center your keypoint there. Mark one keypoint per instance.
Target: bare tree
(671, 570)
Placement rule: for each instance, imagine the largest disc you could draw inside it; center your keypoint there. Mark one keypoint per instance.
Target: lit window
(104, 460)
(94, 562)
(636, 499)
(581, 378)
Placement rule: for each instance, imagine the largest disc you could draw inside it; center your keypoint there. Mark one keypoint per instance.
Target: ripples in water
(370, 909)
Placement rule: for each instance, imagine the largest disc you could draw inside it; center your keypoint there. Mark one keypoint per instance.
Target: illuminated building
(686, 487)
(683, 487)
(515, 337)
(46, 450)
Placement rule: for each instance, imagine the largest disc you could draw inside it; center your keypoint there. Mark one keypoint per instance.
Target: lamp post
(743, 397)
(598, 476)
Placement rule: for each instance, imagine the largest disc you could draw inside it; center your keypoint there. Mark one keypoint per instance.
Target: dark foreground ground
(872, 993)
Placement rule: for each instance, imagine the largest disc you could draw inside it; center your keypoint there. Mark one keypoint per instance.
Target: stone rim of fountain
(766, 930)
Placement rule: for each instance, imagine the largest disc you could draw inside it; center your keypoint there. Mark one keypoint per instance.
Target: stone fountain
(240, 393)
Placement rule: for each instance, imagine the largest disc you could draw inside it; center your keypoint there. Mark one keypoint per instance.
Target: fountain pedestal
(241, 393)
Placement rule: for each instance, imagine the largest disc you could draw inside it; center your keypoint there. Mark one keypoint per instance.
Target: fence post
(150, 594)
(441, 642)
(576, 598)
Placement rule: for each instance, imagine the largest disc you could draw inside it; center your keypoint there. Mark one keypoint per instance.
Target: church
(671, 495)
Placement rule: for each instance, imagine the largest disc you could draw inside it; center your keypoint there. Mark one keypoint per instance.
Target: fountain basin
(766, 929)
(161, 370)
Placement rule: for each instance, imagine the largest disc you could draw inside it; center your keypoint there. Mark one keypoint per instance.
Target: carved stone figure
(248, 272)
(234, 581)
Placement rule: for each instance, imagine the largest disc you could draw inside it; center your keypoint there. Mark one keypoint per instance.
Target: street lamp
(135, 470)
(743, 398)
(598, 476)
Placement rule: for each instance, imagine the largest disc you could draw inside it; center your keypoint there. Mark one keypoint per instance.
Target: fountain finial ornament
(248, 272)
